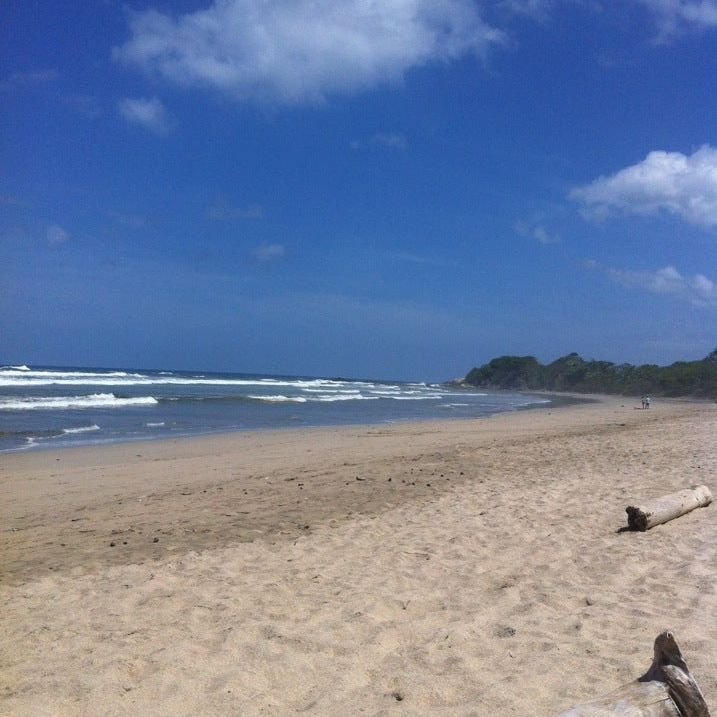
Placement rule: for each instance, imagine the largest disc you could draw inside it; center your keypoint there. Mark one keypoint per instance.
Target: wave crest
(95, 400)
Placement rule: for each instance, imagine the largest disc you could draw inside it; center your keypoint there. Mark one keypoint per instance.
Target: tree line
(575, 374)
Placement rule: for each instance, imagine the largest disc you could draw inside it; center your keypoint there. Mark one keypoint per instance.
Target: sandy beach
(470, 567)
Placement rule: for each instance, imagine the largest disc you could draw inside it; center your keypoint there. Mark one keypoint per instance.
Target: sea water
(53, 406)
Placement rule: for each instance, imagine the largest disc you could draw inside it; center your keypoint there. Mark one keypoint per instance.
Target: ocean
(61, 406)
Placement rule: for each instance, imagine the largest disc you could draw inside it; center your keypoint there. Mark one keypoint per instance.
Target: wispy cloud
(12, 200)
(133, 221)
(684, 185)
(393, 140)
(269, 252)
(147, 112)
(536, 9)
(669, 18)
(299, 51)
(420, 259)
(697, 289)
(86, 105)
(534, 231)
(673, 16)
(31, 77)
(222, 211)
(55, 234)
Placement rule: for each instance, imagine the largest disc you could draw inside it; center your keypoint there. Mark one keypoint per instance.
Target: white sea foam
(30, 442)
(81, 429)
(280, 399)
(330, 390)
(17, 378)
(15, 368)
(154, 424)
(335, 397)
(95, 400)
(425, 397)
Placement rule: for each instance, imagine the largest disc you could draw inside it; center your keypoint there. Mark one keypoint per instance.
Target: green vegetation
(575, 374)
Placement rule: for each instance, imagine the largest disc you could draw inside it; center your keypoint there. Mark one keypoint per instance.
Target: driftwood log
(667, 689)
(643, 517)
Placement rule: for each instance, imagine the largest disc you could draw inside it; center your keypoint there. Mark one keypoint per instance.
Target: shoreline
(61, 484)
(460, 563)
(218, 466)
(561, 399)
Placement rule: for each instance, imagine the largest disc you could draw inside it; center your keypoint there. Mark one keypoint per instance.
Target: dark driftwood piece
(667, 689)
(643, 517)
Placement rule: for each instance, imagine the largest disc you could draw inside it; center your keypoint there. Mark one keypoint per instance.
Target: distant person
(647, 402)
(642, 400)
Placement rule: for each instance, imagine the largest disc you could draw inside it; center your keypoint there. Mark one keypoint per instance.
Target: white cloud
(55, 234)
(220, 210)
(133, 221)
(393, 140)
(31, 77)
(269, 252)
(86, 105)
(540, 234)
(420, 259)
(697, 289)
(669, 16)
(297, 51)
(670, 181)
(148, 112)
(673, 15)
(537, 9)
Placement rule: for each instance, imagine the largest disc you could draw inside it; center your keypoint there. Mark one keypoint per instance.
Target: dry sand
(453, 568)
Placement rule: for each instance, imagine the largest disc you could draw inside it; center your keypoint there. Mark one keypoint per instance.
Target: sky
(400, 189)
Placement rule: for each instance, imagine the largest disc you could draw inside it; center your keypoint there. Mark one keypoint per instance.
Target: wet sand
(452, 568)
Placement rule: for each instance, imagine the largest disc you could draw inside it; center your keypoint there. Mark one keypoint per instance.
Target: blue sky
(401, 189)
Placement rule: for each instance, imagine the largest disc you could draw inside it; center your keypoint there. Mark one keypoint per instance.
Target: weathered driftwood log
(667, 689)
(643, 517)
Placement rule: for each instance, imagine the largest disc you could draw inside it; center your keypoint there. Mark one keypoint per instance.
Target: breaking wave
(95, 400)
(81, 429)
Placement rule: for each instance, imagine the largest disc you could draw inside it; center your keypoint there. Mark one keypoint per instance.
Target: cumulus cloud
(55, 234)
(298, 51)
(670, 181)
(269, 252)
(148, 112)
(220, 210)
(697, 289)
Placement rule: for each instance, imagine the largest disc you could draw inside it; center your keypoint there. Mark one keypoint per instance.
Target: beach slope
(453, 568)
